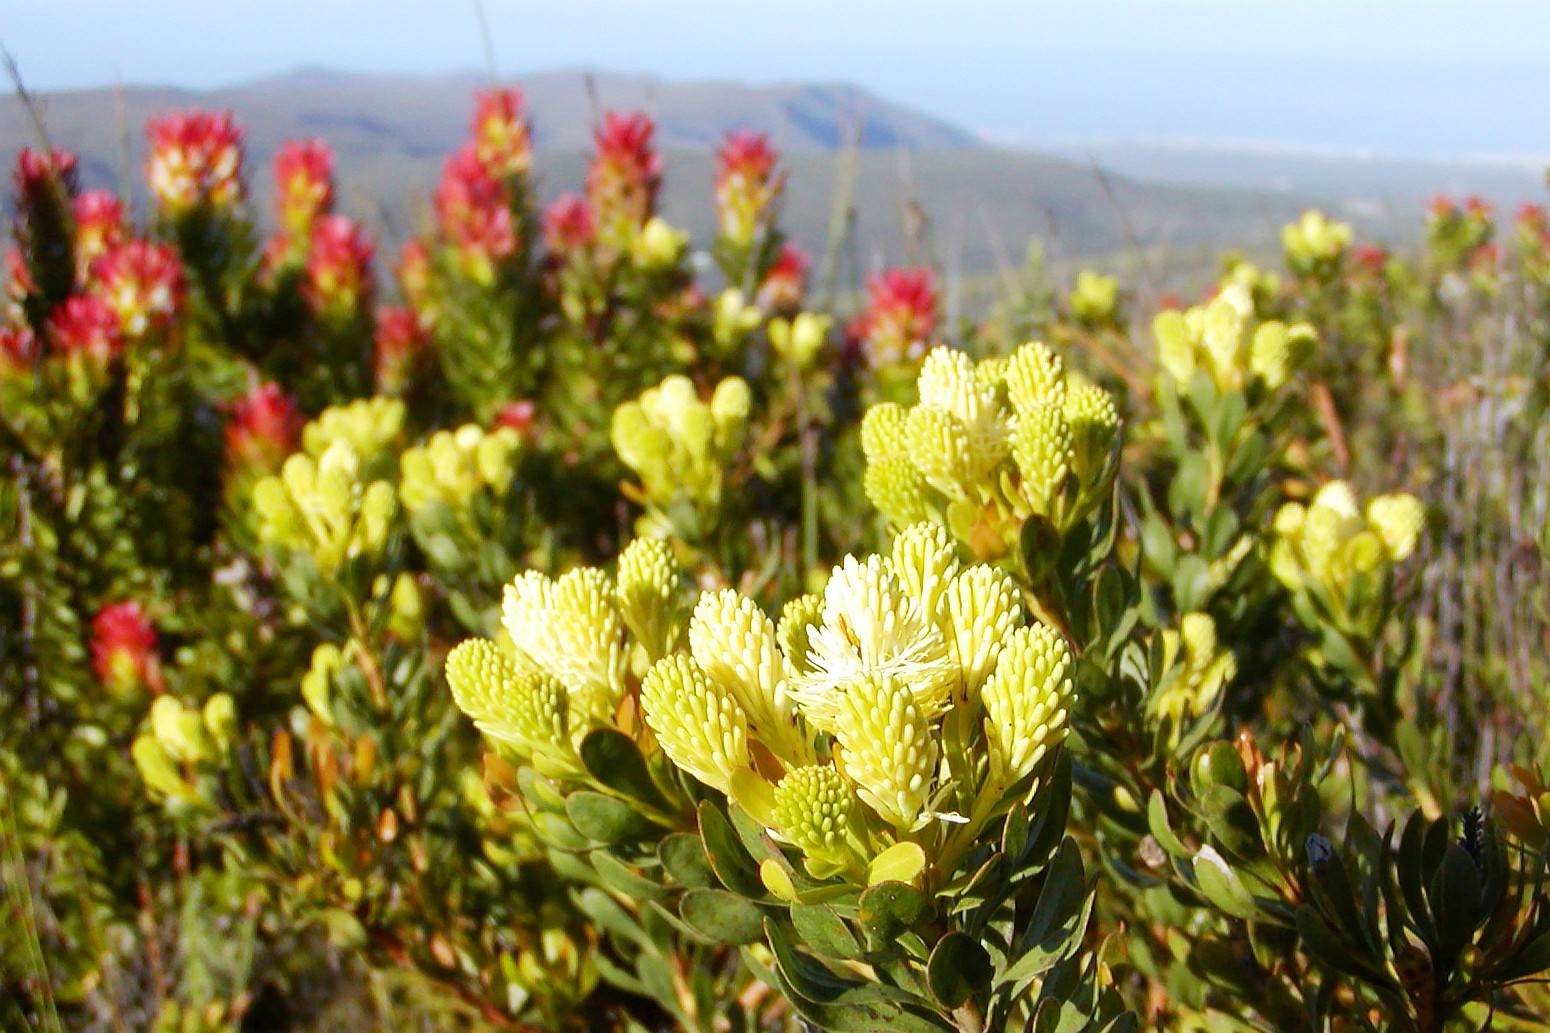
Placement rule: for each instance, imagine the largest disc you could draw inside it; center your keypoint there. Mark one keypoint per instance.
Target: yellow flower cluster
(909, 699)
(1222, 339)
(990, 444)
(1195, 671)
(179, 741)
(1342, 552)
(453, 466)
(909, 702)
(1314, 240)
(680, 447)
(324, 507)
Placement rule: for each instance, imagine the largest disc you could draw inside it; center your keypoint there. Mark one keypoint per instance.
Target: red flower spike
(500, 131)
(143, 284)
(304, 185)
(264, 428)
(196, 159)
(123, 648)
(339, 277)
(86, 326)
(568, 224)
(900, 316)
(626, 172)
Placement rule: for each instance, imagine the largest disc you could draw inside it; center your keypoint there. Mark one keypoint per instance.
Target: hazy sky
(1418, 77)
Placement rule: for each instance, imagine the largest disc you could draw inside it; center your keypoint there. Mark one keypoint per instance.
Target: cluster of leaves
(608, 648)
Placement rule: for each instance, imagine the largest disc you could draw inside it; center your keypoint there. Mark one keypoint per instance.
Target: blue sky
(1414, 77)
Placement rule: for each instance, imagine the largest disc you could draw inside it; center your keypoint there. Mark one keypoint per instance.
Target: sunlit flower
(745, 185)
(304, 186)
(99, 228)
(264, 428)
(143, 283)
(785, 284)
(474, 214)
(196, 159)
(568, 224)
(900, 318)
(626, 172)
(339, 277)
(86, 327)
(123, 648)
(500, 132)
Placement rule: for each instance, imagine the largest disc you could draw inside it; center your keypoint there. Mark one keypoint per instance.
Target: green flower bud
(370, 426)
(889, 749)
(1398, 520)
(1095, 299)
(180, 730)
(220, 719)
(735, 644)
(701, 727)
(1026, 700)
(1175, 346)
(896, 487)
(1041, 447)
(1036, 376)
(983, 606)
(571, 628)
(885, 432)
(798, 618)
(815, 809)
(317, 683)
(658, 246)
(926, 562)
(495, 456)
(729, 408)
(800, 340)
(158, 770)
(939, 446)
(523, 708)
(1094, 423)
(649, 585)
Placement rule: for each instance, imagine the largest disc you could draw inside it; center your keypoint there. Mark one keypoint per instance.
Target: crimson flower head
(304, 185)
(123, 648)
(196, 159)
(400, 343)
(99, 228)
(18, 350)
(786, 282)
(1533, 225)
(745, 185)
(143, 284)
(39, 172)
(626, 172)
(501, 138)
(1370, 257)
(339, 277)
(85, 326)
(264, 428)
(900, 317)
(518, 416)
(473, 212)
(568, 224)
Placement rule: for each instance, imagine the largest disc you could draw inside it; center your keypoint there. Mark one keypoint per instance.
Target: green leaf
(683, 855)
(890, 909)
(1162, 831)
(1455, 902)
(615, 875)
(722, 917)
(902, 862)
(613, 759)
(731, 863)
(604, 819)
(822, 929)
(1223, 889)
(1232, 822)
(958, 971)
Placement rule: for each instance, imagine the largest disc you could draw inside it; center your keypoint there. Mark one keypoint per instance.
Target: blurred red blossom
(196, 159)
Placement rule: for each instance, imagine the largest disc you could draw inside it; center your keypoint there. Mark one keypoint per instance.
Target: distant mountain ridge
(417, 116)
